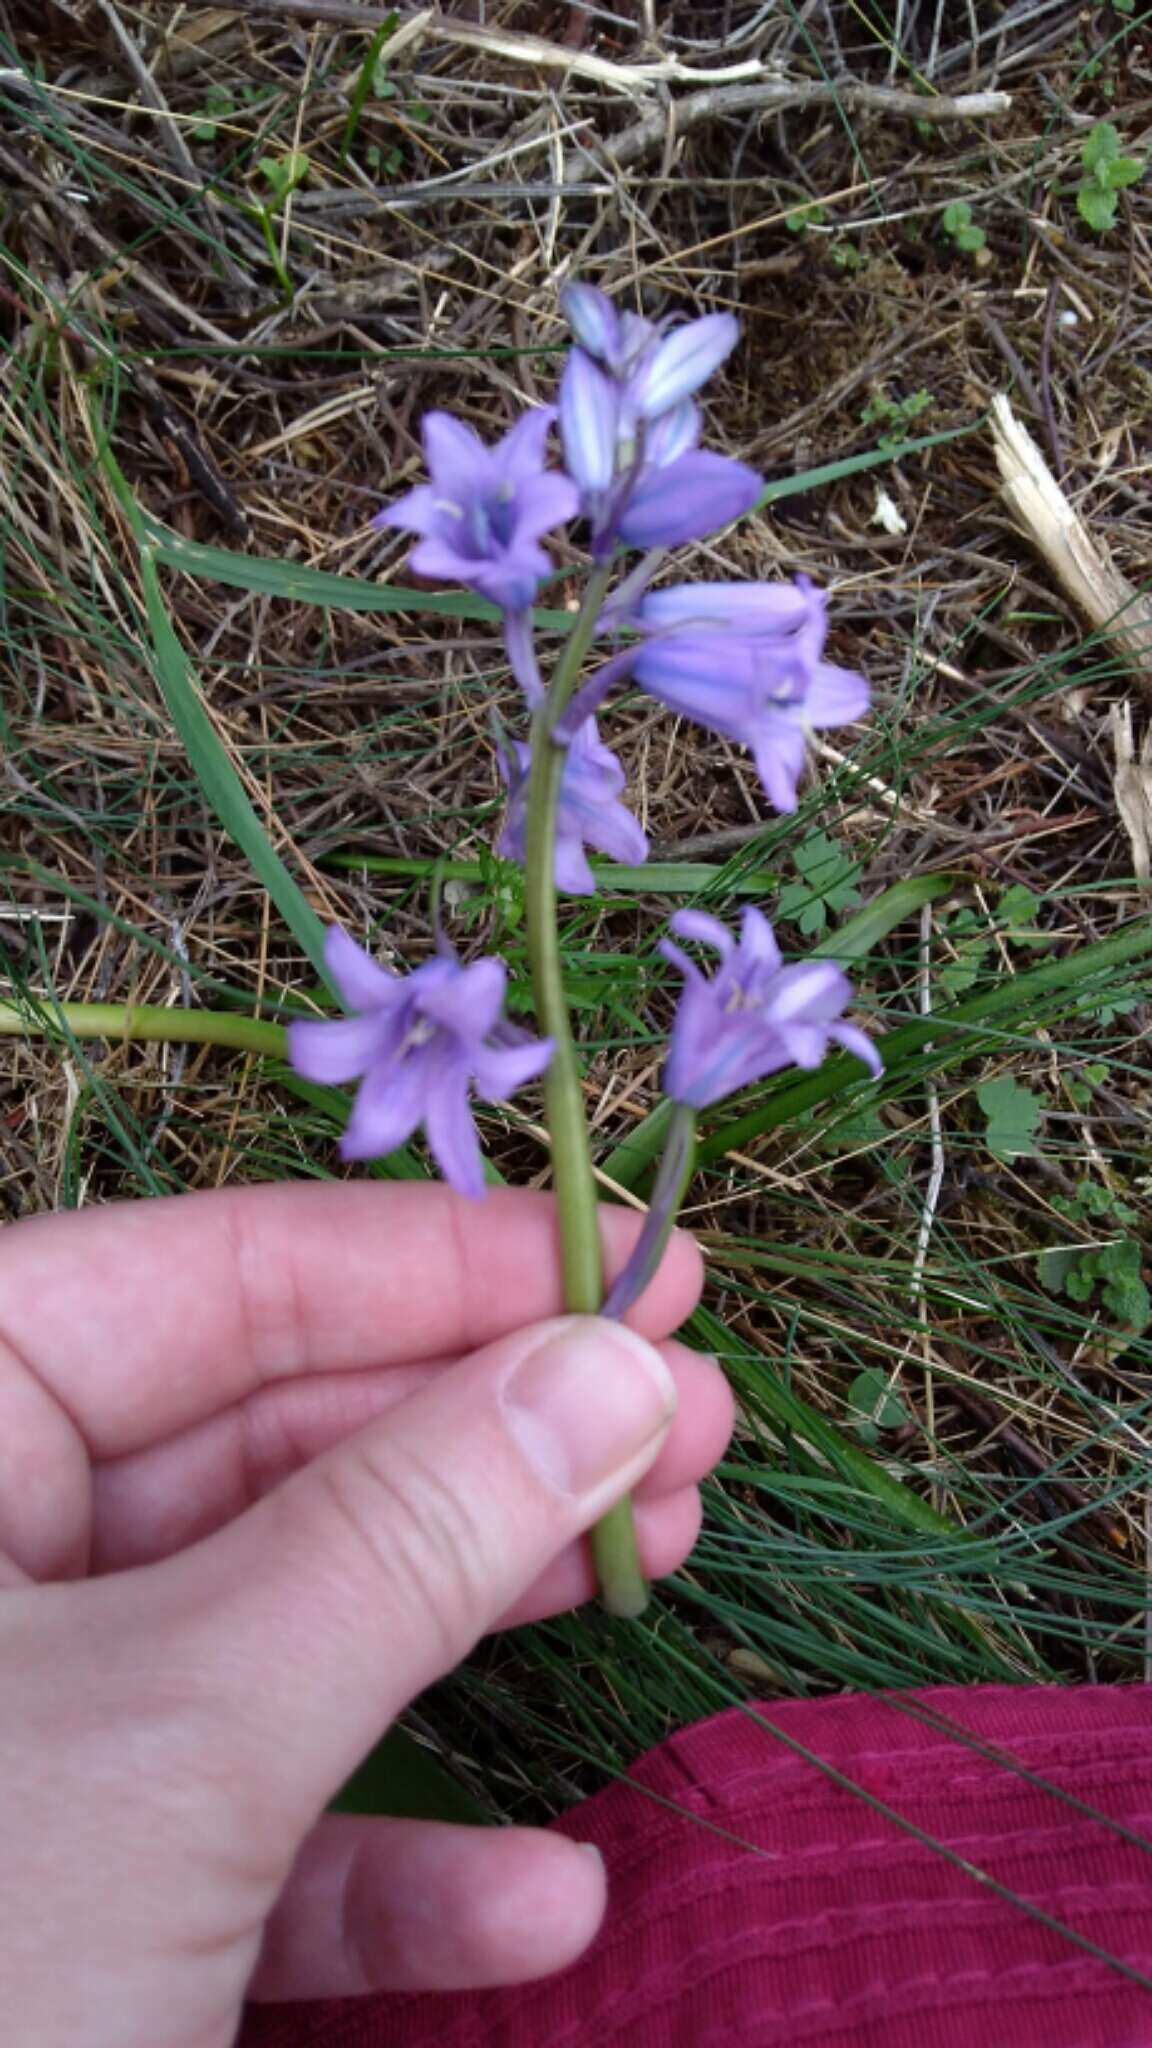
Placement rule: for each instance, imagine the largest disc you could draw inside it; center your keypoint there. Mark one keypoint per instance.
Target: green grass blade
(217, 777)
(271, 576)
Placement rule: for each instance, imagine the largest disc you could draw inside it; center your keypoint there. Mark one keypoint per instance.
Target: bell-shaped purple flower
(746, 660)
(589, 812)
(482, 515)
(755, 1015)
(657, 366)
(417, 1043)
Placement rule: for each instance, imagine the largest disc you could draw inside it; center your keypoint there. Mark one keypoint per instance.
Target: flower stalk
(622, 1585)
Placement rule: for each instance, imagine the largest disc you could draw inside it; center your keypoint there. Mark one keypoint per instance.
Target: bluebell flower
(746, 660)
(417, 1043)
(656, 365)
(482, 515)
(589, 811)
(755, 1015)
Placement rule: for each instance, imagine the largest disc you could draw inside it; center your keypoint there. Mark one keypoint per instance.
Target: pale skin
(271, 1461)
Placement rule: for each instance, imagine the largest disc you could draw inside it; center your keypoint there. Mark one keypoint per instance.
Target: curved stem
(614, 1539)
(672, 1178)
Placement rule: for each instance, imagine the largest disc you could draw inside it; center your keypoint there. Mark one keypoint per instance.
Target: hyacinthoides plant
(745, 660)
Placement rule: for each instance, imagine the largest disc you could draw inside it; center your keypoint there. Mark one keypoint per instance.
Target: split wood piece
(1080, 564)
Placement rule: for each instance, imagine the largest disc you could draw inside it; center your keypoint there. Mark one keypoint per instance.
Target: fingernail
(586, 1401)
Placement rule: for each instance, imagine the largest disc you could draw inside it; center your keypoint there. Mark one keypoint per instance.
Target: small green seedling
(1114, 1268)
(284, 173)
(218, 105)
(804, 217)
(895, 415)
(1106, 173)
(958, 224)
(827, 882)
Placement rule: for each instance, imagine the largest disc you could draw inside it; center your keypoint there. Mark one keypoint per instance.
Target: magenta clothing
(844, 1931)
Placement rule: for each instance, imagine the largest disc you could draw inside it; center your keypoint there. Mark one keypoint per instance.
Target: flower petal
(758, 943)
(499, 1070)
(543, 501)
(593, 320)
(415, 512)
(684, 360)
(617, 833)
(451, 1131)
(811, 992)
(521, 452)
(469, 1001)
(696, 495)
(360, 980)
(706, 929)
(671, 436)
(729, 607)
(459, 464)
(835, 696)
(574, 876)
(588, 418)
(858, 1042)
(781, 752)
(335, 1051)
(388, 1107)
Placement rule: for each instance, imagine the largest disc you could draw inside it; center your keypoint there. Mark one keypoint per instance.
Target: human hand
(271, 1461)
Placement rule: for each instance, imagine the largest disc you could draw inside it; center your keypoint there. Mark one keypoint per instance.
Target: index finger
(143, 1317)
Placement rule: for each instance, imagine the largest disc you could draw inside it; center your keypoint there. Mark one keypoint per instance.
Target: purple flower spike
(694, 495)
(482, 515)
(589, 814)
(683, 361)
(416, 1043)
(746, 660)
(755, 1015)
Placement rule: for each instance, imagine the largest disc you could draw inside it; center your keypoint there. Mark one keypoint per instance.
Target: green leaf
(1013, 1114)
(1125, 171)
(1054, 1265)
(285, 172)
(217, 777)
(271, 576)
(1101, 145)
(956, 216)
(1096, 207)
(971, 238)
(874, 1404)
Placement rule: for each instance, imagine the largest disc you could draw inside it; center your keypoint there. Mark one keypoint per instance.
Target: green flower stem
(614, 1551)
(145, 1022)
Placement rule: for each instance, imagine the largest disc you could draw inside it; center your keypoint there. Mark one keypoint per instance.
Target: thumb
(323, 1611)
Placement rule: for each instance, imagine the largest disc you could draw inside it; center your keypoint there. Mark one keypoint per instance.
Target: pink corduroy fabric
(836, 1929)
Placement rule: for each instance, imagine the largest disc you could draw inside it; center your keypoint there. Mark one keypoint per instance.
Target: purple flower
(755, 1015)
(483, 513)
(645, 484)
(416, 1042)
(746, 660)
(589, 812)
(658, 367)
